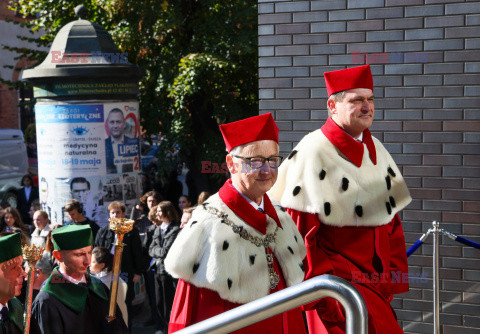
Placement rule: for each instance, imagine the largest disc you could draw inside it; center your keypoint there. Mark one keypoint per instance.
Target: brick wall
(425, 58)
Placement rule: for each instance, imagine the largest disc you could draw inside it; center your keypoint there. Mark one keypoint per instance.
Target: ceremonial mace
(120, 226)
(31, 254)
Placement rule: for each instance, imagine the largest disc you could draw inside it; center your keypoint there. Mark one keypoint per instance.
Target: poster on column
(70, 140)
(83, 151)
(125, 188)
(122, 129)
(55, 193)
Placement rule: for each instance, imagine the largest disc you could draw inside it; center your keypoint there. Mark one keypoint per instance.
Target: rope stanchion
(461, 239)
(415, 246)
(419, 242)
(452, 236)
(436, 231)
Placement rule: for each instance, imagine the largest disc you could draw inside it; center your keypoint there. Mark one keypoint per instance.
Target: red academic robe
(193, 304)
(347, 252)
(369, 254)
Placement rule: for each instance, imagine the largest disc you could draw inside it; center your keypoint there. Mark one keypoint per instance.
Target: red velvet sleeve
(398, 258)
(182, 307)
(316, 262)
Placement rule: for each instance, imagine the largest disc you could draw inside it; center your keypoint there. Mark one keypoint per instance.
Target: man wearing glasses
(238, 246)
(344, 191)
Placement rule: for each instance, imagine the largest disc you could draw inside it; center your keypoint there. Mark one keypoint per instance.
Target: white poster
(70, 140)
(88, 152)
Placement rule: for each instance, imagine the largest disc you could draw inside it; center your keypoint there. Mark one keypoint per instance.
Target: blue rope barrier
(415, 246)
(452, 236)
(468, 242)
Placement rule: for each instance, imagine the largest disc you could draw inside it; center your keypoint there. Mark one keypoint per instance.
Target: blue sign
(68, 113)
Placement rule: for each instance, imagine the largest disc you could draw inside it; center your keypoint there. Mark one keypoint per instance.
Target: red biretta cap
(248, 130)
(349, 78)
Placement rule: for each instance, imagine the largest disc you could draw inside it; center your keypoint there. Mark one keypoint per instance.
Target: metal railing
(287, 299)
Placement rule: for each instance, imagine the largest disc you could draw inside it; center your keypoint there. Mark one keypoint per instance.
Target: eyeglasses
(256, 163)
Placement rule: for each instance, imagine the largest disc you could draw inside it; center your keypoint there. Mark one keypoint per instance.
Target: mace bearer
(120, 226)
(31, 254)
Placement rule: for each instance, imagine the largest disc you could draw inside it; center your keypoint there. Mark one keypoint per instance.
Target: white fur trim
(200, 244)
(367, 185)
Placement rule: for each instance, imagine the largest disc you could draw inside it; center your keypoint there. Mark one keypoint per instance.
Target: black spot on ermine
(327, 208)
(359, 210)
(292, 154)
(391, 172)
(296, 190)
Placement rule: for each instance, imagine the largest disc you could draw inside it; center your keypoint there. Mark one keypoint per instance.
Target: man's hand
(136, 278)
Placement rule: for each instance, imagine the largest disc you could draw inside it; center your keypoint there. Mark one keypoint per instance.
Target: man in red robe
(343, 190)
(237, 246)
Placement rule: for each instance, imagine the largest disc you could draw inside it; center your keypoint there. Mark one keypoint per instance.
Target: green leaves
(199, 59)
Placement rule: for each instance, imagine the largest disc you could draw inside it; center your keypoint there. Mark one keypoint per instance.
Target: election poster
(122, 132)
(88, 152)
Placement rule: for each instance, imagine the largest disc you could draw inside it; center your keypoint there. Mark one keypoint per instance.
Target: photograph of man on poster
(80, 189)
(119, 148)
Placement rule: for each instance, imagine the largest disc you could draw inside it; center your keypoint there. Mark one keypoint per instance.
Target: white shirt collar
(71, 279)
(359, 138)
(1, 305)
(120, 141)
(252, 203)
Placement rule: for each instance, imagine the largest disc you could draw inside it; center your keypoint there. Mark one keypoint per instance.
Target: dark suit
(132, 259)
(132, 252)
(110, 157)
(165, 284)
(92, 224)
(14, 323)
(23, 205)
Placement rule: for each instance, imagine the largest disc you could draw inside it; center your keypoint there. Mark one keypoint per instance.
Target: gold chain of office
(257, 241)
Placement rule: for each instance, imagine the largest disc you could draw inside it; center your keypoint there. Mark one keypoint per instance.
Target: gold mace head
(121, 225)
(32, 253)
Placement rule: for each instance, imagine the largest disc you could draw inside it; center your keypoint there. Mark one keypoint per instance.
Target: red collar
(256, 219)
(351, 148)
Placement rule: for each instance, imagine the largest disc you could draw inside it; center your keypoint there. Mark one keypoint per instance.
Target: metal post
(287, 299)
(436, 281)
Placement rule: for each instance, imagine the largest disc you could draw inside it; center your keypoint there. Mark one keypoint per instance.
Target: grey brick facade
(425, 57)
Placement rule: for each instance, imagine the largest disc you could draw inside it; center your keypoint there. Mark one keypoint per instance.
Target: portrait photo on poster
(122, 131)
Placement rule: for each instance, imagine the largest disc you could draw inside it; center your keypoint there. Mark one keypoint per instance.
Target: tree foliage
(199, 58)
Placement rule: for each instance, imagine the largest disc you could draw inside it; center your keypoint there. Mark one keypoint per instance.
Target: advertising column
(89, 152)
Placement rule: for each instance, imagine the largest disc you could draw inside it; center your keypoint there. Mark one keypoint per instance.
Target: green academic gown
(14, 324)
(62, 307)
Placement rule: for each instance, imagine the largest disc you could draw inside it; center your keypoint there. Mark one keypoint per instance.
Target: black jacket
(95, 228)
(161, 244)
(132, 259)
(23, 206)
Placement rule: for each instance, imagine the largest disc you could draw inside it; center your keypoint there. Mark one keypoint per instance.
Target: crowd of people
(157, 223)
(330, 208)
